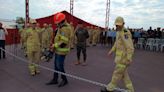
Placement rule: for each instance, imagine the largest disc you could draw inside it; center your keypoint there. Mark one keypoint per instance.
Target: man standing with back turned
(82, 36)
(124, 50)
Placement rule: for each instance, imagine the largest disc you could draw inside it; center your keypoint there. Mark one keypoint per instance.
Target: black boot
(63, 83)
(115, 90)
(4, 56)
(52, 82)
(105, 90)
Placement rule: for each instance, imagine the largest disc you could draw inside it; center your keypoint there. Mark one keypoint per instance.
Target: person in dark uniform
(82, 36)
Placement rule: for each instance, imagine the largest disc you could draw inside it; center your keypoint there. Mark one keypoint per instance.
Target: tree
(20, 22)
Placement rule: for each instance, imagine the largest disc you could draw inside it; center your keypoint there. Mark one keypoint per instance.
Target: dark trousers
(2, 45)
(83, 49)
(103, 40)
(59, 66)
(109, 40)
(135, 40)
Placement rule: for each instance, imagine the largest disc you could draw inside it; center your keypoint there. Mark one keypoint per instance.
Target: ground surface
(146, 72)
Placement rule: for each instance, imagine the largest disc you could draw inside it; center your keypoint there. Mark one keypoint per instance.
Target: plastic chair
(140, 43)
(162, 45)
(156, 44)
(149, 44)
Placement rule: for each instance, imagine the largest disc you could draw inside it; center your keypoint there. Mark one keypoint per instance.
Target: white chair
(156, 44)
(162, 45)
(140, 43)
(149, 43)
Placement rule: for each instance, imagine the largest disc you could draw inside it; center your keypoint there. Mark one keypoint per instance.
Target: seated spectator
(159, 33)
(162, 33)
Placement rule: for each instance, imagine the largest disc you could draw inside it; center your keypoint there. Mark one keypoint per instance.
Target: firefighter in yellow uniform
(39, 30)
(124, 50)
(46, 41)
(72, 36)
(61, 47)
(94, 40)
(38, 26)
(23, 37)
(33, 48)
(98, 34)
(46, 37)
(91, 35)
(50, 31)
(22, 40)
(21, 31)
(89, 32)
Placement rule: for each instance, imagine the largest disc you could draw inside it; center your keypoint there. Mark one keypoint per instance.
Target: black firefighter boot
(54, 81)
(63, 82)
(115, 90)
(105, 90)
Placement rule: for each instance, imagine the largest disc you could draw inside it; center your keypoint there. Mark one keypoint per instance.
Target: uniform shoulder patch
(126, 36)
(125, 30)
(62, 33)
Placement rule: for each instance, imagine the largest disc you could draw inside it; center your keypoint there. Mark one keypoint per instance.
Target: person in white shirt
(3, 33)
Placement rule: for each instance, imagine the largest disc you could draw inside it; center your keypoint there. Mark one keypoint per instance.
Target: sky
(136, 13)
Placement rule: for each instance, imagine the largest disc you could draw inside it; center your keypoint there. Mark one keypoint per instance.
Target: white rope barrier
(66, 74)
(52, 70)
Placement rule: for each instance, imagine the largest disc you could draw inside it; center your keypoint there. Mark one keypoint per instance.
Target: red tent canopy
(69, 18)
(14, 36)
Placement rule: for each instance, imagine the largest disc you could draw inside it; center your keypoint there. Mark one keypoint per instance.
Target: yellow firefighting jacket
(63, 38)
(32, 39)
(123, 46)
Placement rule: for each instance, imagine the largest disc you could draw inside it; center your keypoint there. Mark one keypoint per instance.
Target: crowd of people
(108, 37)
(157, 33)
(35, 40)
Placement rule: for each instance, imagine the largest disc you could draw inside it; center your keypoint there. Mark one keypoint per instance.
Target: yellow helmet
(119, 21)
(45, 25)
(33, 21)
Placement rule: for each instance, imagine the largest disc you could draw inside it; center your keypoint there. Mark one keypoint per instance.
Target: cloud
(137, 13)
(93, 12)
(10, 10)
(42, 8)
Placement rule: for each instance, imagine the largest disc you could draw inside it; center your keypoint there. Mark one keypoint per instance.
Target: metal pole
(71, 9)
(107, 15)
(27, 12)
